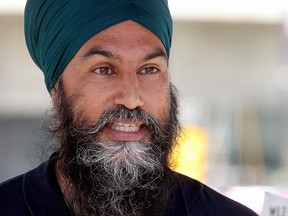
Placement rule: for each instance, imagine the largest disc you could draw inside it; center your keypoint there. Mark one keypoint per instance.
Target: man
(115, 115)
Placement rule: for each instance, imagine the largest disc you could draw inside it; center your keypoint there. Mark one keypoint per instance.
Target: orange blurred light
(190, 155)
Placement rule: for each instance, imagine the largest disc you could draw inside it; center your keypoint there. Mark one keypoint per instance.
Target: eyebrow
(155, 54)
(106, 53)
(99, 51)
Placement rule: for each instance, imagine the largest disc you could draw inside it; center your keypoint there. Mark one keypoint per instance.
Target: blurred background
(230, 63)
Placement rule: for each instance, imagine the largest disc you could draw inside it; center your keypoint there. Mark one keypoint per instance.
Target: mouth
(125, 127)
(125, 131)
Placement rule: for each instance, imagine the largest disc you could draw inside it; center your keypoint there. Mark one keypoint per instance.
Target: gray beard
(123, 166)
(116, 177)
(109, 177)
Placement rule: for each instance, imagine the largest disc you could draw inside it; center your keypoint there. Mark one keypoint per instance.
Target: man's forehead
(100, 51)
(126, 37)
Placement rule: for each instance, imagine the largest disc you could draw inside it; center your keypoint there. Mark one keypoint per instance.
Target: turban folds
(56, 29)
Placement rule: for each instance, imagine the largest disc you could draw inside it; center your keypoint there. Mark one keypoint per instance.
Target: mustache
(120, 114)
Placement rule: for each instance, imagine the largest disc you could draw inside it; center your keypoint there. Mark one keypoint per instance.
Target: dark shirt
(36, 193)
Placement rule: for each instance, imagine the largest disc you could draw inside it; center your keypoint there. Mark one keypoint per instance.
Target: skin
(126, 65)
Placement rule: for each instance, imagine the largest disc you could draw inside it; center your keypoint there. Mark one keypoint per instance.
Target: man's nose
(128, 92)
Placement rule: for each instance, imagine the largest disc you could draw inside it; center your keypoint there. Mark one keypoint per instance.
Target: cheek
(92, 103)
(89, 98)
(158, 101)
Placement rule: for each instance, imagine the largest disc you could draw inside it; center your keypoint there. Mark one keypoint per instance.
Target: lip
(124, 131)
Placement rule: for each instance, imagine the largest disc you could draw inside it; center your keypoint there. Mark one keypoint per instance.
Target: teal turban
(56, 29)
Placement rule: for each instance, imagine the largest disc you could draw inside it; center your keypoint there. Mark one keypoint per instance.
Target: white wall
(235, 63)
(22, 90)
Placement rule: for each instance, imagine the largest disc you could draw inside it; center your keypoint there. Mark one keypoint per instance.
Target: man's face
(116, 117)
(123, 65)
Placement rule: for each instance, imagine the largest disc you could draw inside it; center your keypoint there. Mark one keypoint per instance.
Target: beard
(107, 177)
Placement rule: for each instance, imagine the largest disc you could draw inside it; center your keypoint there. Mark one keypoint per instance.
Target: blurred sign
(275, 205)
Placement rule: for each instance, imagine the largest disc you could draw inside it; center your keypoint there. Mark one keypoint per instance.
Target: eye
(149, 70)
(103, 71)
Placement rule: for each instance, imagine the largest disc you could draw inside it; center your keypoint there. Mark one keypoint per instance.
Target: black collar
(42, 193)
